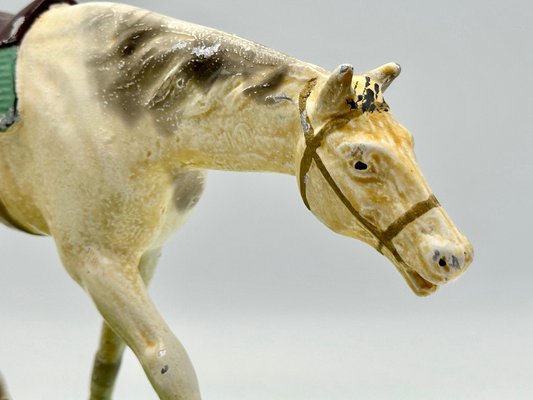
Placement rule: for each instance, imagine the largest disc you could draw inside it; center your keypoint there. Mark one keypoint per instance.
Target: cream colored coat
(123, 111)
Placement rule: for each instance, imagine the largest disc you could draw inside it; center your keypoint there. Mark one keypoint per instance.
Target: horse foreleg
(117, 289)
(4, 395)
(109, 355)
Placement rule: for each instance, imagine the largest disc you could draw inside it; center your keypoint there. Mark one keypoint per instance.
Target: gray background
(272, 305)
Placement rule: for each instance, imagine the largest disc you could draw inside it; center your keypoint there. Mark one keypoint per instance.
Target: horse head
(358, 174)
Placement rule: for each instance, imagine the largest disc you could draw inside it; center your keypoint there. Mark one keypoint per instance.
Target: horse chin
(419, 285)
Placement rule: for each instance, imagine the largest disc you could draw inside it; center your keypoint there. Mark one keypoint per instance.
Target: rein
(313, 142)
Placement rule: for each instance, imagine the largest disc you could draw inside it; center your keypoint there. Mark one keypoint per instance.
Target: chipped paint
(206, 51)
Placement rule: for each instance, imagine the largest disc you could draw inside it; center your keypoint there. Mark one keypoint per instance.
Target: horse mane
(154, 62)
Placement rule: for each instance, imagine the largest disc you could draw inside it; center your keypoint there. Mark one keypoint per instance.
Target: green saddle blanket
(8, 96)
(12, 31)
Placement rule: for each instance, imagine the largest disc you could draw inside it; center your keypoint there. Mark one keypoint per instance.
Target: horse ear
(385, 74)
(335, 95)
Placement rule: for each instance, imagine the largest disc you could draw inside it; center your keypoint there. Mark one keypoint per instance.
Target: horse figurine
(120, 113)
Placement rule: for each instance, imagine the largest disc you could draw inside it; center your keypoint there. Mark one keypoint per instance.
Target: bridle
(313, 142)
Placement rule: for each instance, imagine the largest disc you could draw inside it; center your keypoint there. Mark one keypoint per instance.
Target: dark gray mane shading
(150, 66)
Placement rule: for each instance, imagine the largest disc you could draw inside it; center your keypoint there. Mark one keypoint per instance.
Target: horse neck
(216, 100)
(233, 131)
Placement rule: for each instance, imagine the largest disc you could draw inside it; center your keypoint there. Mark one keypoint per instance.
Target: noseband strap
(409, 216)
(313, 142)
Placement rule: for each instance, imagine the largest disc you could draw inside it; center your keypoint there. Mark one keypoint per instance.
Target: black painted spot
(267, 86)
(164, 370)
(204, 70)
(134, 40)
(352, 104)
(442, 262)
(455, 262)
(361, 166)
(368, 102)
(367, 98)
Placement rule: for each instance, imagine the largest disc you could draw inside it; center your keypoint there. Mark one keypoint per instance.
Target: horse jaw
(420, 286)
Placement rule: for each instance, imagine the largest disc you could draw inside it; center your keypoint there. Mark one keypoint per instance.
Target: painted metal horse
(121, 113)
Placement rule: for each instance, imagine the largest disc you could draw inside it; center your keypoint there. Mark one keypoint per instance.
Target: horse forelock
(368, 96)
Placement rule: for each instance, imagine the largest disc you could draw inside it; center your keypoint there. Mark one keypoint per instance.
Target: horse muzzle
(434, 252)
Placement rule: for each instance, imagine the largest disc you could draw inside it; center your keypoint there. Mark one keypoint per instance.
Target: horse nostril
(445, 260)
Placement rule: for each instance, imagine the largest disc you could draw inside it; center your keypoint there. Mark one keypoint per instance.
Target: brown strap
(312, 144)
(312, 141)
(362, 220)
(5, 18)
(409, 216)
(12, 32)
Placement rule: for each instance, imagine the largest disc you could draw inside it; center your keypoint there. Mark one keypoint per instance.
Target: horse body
(123, 111)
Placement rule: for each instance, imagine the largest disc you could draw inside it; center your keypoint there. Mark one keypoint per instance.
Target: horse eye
(361, 166)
